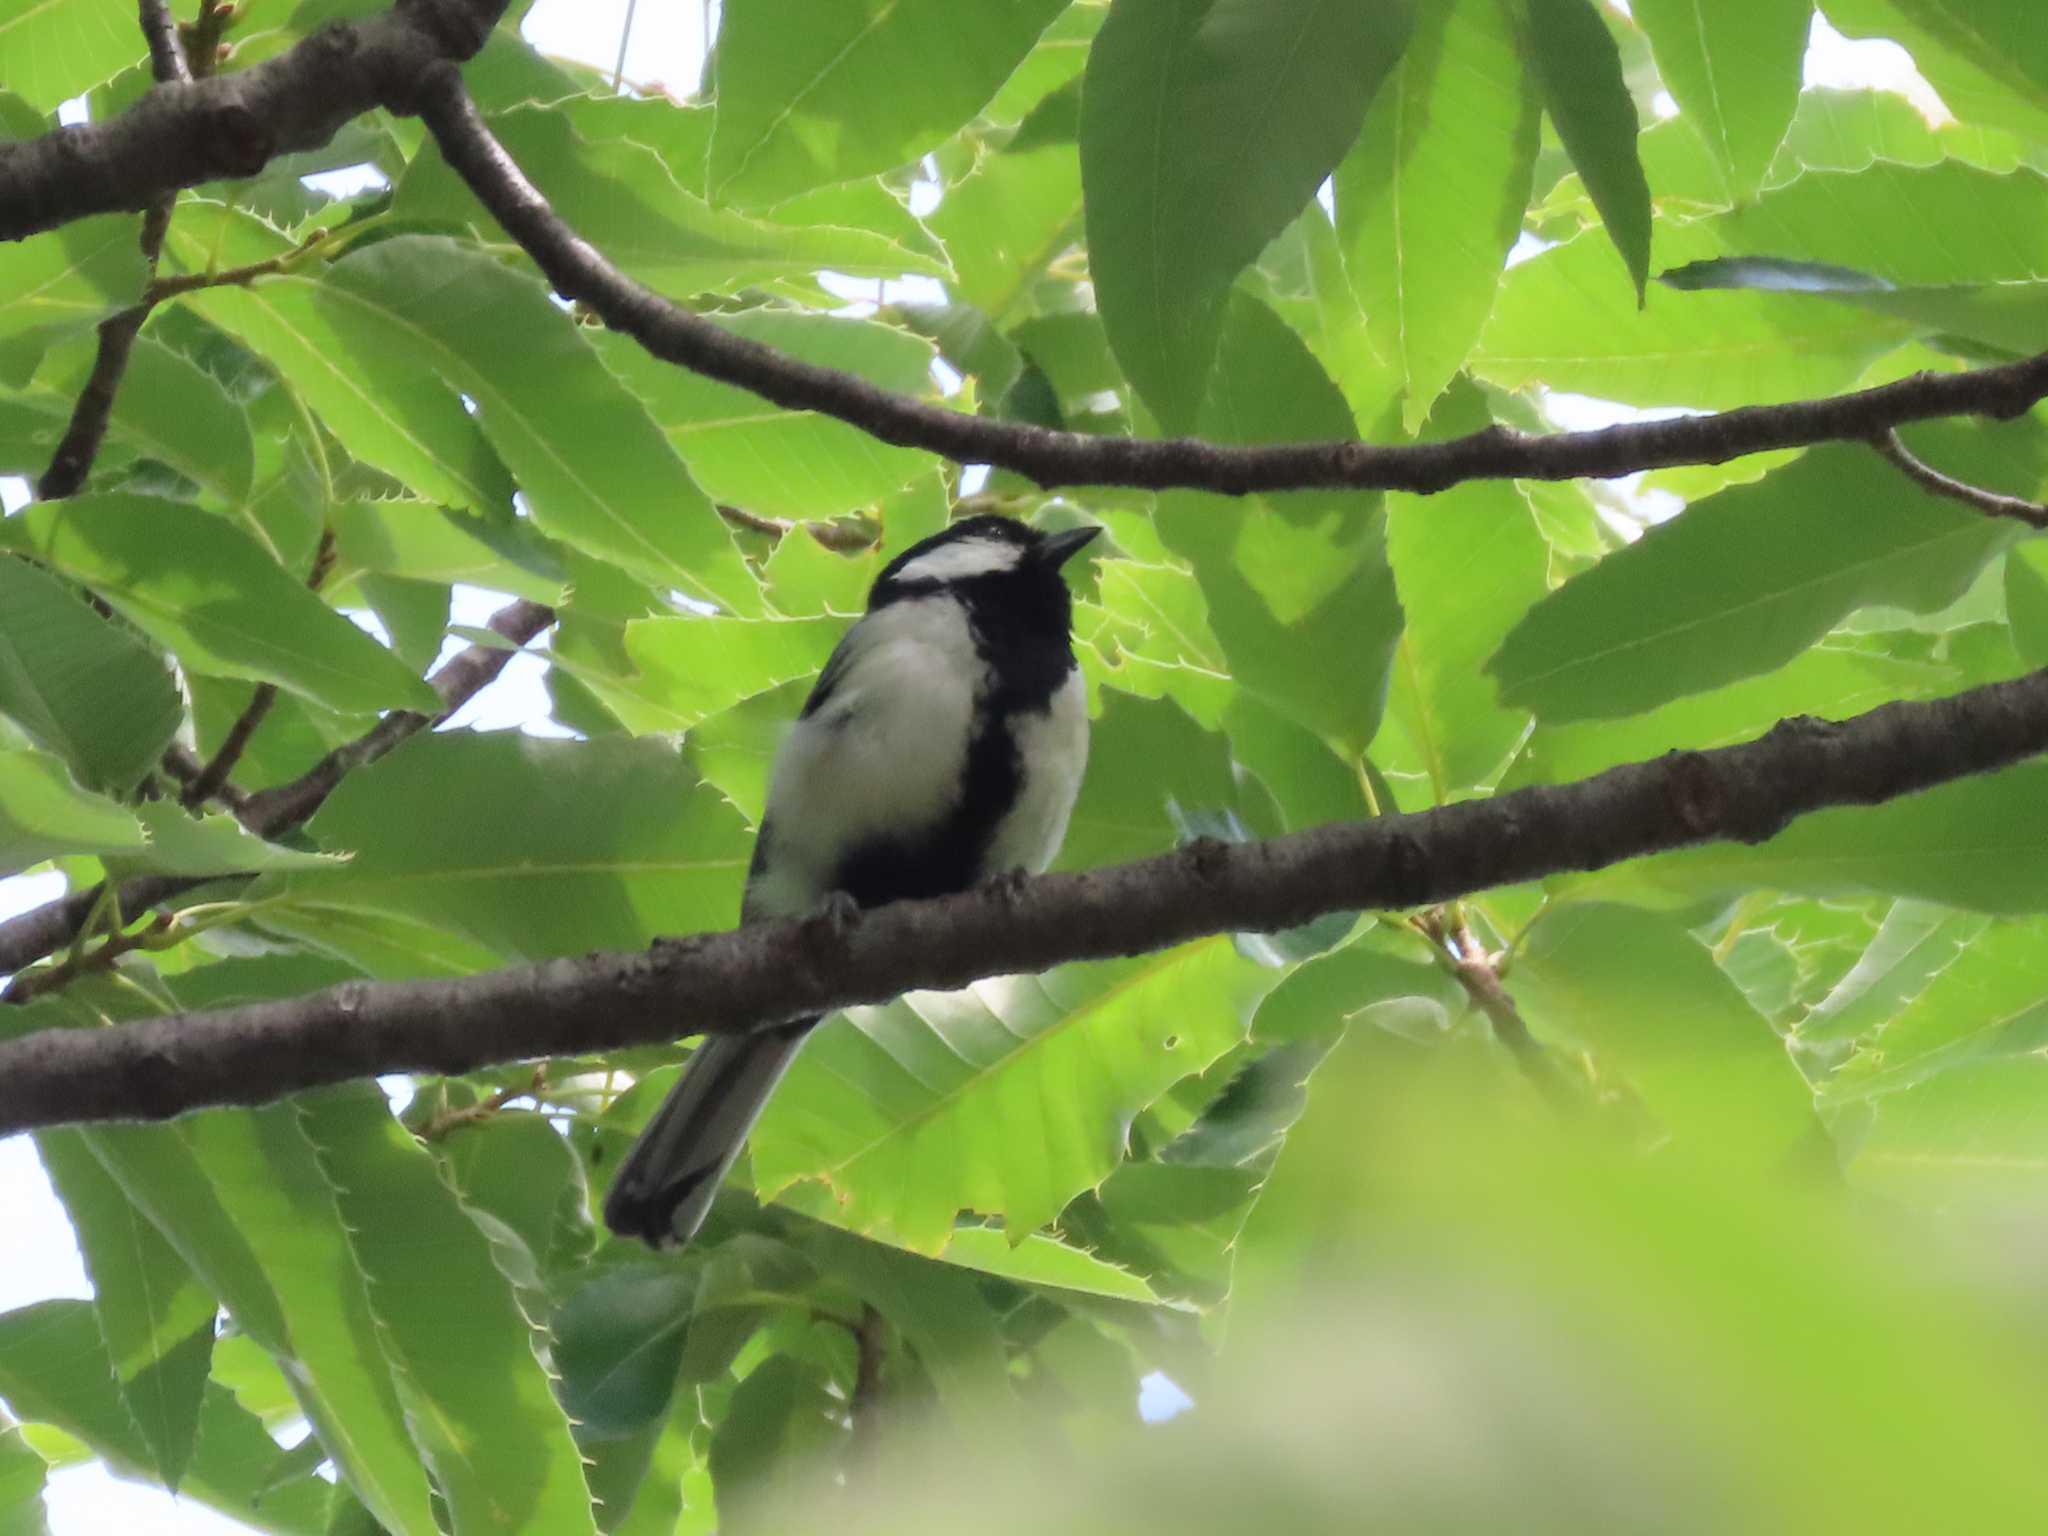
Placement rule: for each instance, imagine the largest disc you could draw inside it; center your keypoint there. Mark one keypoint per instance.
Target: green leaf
(1044, 1261)
(1559, 323)
(415, 540)
(1149, 766)
(688, 669)
(1467, 563)
(913, 1111)
(43, 814)
(817, 91)
(53, 285)
(1004, 221)
(210, 593)
(1986, 58)
(1734, 69)
(2026, 599)
(1579, 68)
(1876, 221)
(155, 1318)
(1292, 576)
(85, 688)
(1430, 199)
(57, 49)
(1742, 582)
(519, 1169)
(618, 1343)
(1973, 1137)
(1977, 844)
(1649, 1002)
(615, 844)
(181, 843)
(227, 1186)
(1913, 945)
(594, 470)
(767, 1450)
(1206, 125)
(477, 1399)
(22, 1474)
(54, 1369)
(777, 463)
(646, 212)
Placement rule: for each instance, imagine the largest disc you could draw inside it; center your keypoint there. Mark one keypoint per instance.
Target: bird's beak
(1058, 548)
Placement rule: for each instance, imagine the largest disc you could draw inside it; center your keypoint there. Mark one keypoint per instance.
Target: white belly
(1054, 750)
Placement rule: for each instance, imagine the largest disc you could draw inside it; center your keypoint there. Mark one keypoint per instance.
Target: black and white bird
(942, 746)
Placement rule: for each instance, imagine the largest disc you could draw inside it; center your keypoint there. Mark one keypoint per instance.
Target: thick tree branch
(44, 930)
(728, 982)
(677, 335)
(186, 133)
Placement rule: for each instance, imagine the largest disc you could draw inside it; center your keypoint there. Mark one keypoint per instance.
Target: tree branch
(271, 812)
(1992, 503)
(185, 133)
(578, 271)
(727, 982)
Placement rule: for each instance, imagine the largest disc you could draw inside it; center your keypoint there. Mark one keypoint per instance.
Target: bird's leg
(838, 914)
(1006, 885)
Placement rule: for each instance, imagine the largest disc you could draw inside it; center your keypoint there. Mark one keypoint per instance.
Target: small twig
(162, 288)
(841, 537)
(474, 1114)
(28, 985)
(1992, 503)
(213, 778)
(166, 52)
(1465, 958)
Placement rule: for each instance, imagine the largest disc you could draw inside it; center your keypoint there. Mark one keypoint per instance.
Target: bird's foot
(1006, 885)
(838, 914)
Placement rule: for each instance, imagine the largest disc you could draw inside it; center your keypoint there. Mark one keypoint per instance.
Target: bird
(942, 746)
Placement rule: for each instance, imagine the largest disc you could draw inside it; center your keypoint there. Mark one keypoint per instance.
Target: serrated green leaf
(1206, 125)
(1914, 944)
(1044, 1261)
(168, 409)
(1296, 576)
(902, 1110)
(687, 669)
(643, 209)
(56, 284)
(85, 688)
(1430, 199)
(1579, 68)
(183, 844)
(1740, 583)
(53, 1368)
(1976, 1136)
(207, 591)
(44, 814)
(477, 1399)
(1985, 57)
(57, 49)
(772, 462)
(1734, 68)
(618, 1343)
(421, 542)
(817, 91)
(1006, 220)
(155, 1318)
(617, 843)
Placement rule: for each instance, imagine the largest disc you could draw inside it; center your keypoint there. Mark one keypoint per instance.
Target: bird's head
(987, 562)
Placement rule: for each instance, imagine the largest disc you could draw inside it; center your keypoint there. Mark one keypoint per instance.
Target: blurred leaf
(1915, 944)
(205, 589)
(1985, 57)
(615, 843)
(477, 1400)
(1043, 1261)
(1295, 574)
(1579, 69)
(1430, 199)
(782, 1420)
(2026, 599)
(1204, 129)
(820, 91)
(1742, 582)
(912, 1111)
(22, 1473)
(1973, 1136)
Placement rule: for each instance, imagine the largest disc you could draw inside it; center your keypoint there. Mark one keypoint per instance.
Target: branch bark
(728, 982)
(44, 930)
(677, 335)
(185, 133)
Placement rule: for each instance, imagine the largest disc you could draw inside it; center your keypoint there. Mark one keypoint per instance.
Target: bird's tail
(667, 1181)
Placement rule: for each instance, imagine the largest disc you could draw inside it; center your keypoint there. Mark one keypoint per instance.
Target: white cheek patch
(967, 557)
